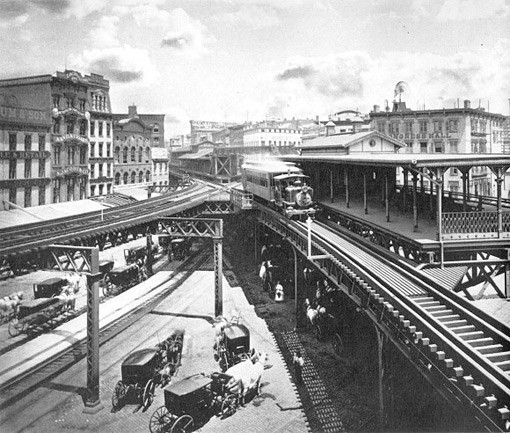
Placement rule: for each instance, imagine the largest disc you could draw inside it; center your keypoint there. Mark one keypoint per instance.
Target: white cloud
(461, 10)
(186, 34)
(16, 21)
(118, 64)
(82, 8)
(104, 34)
(145, 14)
(255, 16)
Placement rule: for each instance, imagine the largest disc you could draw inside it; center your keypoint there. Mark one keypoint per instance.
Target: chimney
(467, 103)
(376, 108)
(132, 110)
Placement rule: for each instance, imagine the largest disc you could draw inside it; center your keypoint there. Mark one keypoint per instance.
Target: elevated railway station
(383, 246)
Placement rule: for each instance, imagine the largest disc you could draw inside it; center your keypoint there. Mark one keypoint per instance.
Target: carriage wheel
(223, 362)
(148, 394)
(107, 285)
(184, 424)
(338, 344)
(229, 406)
(14, 327)
(160, 420)
(119, 393)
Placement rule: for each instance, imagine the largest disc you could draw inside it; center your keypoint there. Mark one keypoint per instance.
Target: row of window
(257, 179)
(13, 196)
(132, 154)
(100, 127)
(100, 148)
(133, 177)
(99, 102)
(437, 146)
(13, 168)
(100, 170)
(100, 189)
(70, 102)
(71, 155)
(13, 142)
(408, 126)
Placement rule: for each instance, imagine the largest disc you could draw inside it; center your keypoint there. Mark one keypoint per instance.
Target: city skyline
(232, 61)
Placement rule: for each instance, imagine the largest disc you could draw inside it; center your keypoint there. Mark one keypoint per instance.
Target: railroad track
(469, 348)
(11, 392)
(39, 235)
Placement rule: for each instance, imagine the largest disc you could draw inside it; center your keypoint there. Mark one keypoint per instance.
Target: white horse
(245, 377)
(311, 313)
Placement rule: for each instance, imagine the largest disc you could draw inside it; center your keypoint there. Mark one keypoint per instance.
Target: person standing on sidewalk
(298, 363)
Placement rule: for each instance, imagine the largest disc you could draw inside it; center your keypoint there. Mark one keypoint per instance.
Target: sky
(238, 60)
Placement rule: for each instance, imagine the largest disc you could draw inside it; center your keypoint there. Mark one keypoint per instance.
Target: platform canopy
(408, 160)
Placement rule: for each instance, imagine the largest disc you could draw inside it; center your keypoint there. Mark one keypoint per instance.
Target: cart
(49, 288)
(135, 254)
(234, 347)
(121, 278)
(190, 403)
(140, 376)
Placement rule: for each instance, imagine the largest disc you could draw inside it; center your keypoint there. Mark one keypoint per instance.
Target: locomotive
(281, 185)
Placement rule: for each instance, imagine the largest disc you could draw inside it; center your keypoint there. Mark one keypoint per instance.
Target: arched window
(147, 176)
(125, 178)
(125, 155)
(116, 155)
(155, 129)
(133, 177)
(140, 154)
(133, 157)
(147, 154)
(117, 179)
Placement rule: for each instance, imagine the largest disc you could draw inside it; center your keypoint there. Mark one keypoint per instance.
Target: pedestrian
(279, 295)
(298, 362)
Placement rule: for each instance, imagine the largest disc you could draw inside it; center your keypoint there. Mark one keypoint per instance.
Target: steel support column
(346, 181)
(415, 205)
(381, 344)
(331, 188)
(406, 184)
(93, 402)
(365, 201)
(218, 274)
(386, 197)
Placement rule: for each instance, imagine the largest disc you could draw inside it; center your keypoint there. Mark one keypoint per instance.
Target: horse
(246, 376)
(311, 313)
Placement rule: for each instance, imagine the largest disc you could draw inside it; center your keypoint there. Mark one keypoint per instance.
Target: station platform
(60, 407)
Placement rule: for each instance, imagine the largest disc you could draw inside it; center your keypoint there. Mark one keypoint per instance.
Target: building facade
(25, 142)
(159, 157)
(134, 137)
(447, 130)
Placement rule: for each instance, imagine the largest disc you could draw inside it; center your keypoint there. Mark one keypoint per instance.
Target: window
(116, 155)
(12, 168)
(108, 189)
(452, 125)
(147, 176)
(83, 152)
(92, 149)
(92, 126)
(70, 126)
(56, 191)
(125, 178)
(108, 129)
(69, 102)
(56, 126)
(117, 178)
(133, 177)
(381, 127)
(100, 129)
(42, 195)
(100, 170)
(92, 171)
(133, 154)
(156, 128)
(423, 147)
(28, 196)
(109, 170)
(156, 140)
(28, 142)
(147, 154)
(101, 189)
(140, 154)
(474, 125)
(42, 143)
(393, 128)
(81, 104)
(100, 150)
(454, 171)
(42, 168)
(83, 127)
(438, 126)
(423, 126)
(92, 190)
(108, 150)
(140, 177)
(409, 127)
(70, 155)
(56, 101)
(56, 155)
(454, 146)
(125, 155)
(12, 195)
(438, 147)
(12, 142)
(28, 168)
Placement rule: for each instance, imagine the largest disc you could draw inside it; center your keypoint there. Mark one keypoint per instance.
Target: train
(281, 185)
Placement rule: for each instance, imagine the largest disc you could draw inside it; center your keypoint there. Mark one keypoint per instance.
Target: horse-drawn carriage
(193, 401)
(135, 254)
(49, 302)
(232, 345)
(122, 278)
(143, 370)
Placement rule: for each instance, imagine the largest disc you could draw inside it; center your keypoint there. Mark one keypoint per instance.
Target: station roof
(414, 160)
(200, 154)
(345, 140)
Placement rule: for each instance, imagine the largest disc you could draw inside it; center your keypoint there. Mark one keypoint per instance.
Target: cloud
(11, 10)
(119, 64)
(250, 15)
(463, 10)
(186, 34)
(145, 14)
(332, 76)
(104, 34)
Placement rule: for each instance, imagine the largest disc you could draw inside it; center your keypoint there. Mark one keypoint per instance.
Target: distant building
(203, 130)
(278, 139)
(77, 107)
(134, 137)
(159, 157)
(447, 130)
